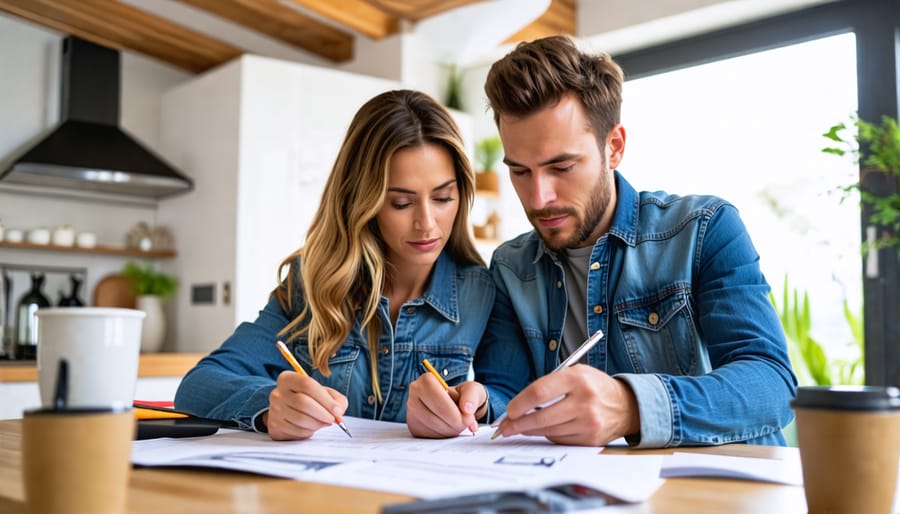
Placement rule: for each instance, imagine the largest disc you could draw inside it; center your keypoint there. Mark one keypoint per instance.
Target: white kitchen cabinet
(259, 137)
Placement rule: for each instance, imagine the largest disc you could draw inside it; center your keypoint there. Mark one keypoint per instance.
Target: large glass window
(749, 129)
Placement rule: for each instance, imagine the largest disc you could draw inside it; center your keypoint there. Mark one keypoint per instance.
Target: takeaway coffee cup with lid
(849, 439)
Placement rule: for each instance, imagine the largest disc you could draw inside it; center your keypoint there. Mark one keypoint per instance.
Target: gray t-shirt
(575, 262)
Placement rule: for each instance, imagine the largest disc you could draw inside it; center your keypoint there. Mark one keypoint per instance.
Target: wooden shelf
(96, 250)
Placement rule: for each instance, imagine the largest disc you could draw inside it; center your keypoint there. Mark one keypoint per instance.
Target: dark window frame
(876, 24)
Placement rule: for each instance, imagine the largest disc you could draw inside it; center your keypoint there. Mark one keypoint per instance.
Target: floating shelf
(96, 250)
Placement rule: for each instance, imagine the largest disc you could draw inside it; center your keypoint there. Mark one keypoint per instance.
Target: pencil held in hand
(288, 356)
(440, 379)
(437, 375)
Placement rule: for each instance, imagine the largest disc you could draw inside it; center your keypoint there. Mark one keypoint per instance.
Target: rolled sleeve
(655, 408)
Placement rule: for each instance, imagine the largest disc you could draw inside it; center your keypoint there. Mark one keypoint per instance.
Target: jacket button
(552, 345)
(385, 350)
(371, 399)
(653, 318)
(595, 265)
(598, 309)
(410, 310)
(445, 372)
(558, 284)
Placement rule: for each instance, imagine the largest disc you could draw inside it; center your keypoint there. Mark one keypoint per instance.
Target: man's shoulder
(660, 205)
(528, 241)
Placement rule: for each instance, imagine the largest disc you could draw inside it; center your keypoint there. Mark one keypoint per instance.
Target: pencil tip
(496, 434)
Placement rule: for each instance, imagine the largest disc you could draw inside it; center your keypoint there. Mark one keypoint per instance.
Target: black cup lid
(76, 411)
(845, 397)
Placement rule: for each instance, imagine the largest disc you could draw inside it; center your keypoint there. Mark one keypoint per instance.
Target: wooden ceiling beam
(279, 21)
(558, 19)
(358, 15)
(417, 10)
(120, 26)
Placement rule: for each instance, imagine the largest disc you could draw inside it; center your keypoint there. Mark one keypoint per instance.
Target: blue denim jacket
(675, 286)
(444, 326)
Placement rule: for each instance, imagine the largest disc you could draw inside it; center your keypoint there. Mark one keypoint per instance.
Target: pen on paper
(572, 359)
(299, 369)
(440, 379)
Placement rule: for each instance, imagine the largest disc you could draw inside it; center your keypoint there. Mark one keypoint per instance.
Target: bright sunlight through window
(749, 130)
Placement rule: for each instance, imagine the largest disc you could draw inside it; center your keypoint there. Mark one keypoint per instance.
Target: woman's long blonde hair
(342, 267)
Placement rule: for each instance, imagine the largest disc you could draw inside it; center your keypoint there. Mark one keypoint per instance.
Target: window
(748, 129)
(875, 24)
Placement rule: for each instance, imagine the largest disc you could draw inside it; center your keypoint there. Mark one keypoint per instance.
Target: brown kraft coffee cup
(849, 439)
(77, 460)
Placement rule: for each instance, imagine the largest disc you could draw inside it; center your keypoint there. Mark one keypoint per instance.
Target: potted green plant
(151, 288)
(453, 95)
(487, 154)
(877, 148)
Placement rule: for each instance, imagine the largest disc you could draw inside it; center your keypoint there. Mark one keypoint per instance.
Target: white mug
(102, 348)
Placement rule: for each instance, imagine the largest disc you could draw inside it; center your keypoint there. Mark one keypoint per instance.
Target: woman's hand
(298, 406)
(435, 413)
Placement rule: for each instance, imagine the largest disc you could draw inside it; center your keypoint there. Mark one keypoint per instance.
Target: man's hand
(298, 406)
(595, 410)
(435, 413)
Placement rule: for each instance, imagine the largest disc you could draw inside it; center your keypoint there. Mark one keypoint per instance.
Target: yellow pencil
(437, 375)
(299, 369)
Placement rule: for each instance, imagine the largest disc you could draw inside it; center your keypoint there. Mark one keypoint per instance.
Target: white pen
(572, 359)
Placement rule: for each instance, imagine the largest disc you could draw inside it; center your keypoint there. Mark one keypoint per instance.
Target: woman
(387, 277)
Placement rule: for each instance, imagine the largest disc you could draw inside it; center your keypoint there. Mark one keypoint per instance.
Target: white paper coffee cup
(102, 347)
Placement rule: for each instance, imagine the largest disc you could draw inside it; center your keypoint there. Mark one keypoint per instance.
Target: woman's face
(422, 200)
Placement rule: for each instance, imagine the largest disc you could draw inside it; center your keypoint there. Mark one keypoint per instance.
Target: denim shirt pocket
(659, 332)
(341, 365)
(452, 361)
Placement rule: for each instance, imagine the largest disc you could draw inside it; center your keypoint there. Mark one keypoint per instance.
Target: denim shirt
(675, 286)
(445, 326)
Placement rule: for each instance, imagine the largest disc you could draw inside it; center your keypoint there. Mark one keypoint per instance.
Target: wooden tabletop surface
(183, 491)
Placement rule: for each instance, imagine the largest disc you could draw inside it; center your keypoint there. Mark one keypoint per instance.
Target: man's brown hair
(537, 74)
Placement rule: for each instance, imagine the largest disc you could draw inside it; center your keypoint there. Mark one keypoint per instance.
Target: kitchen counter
(151, 365)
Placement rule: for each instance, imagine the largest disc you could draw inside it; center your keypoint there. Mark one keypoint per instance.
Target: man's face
(561, 174)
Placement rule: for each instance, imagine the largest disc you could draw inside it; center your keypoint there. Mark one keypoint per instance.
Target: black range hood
(88, 152)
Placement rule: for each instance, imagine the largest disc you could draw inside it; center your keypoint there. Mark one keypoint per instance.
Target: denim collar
(624, 224)
(442, 290)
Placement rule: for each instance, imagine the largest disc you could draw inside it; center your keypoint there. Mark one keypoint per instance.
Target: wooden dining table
(201, 491)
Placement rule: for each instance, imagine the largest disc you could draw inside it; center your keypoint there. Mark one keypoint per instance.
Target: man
(693, 351)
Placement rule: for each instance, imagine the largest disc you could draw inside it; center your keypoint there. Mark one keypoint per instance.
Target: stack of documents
(385, 457)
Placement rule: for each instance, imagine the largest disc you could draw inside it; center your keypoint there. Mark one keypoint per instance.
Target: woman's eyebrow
(410, 192)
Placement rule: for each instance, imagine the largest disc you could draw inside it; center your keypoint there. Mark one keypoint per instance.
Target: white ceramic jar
(86, 240)
(64, 235)
(14, 235)
(39, 236)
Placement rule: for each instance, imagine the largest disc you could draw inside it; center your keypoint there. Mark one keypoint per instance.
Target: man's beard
(598, 202)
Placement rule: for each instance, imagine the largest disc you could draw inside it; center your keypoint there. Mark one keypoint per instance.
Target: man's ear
(615, 146)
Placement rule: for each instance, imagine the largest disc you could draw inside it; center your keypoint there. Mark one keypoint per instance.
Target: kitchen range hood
(87, 154)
